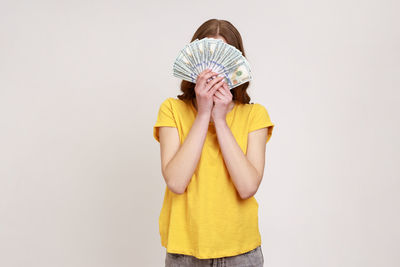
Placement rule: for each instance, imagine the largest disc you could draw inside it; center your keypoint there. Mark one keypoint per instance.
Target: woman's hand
(222, 99)
(205, 89)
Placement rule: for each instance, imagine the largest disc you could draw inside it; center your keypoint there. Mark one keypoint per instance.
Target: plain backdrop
(80, 87)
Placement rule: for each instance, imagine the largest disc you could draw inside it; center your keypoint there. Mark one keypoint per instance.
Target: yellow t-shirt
(210, 220)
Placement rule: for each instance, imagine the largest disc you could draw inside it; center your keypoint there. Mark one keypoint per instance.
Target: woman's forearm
(181, 167)
(243, 174)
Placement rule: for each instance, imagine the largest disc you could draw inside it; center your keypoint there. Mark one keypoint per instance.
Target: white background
(80, 87)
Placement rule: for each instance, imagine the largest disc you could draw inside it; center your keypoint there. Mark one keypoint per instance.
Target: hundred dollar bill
(238, 76)
(183, 62)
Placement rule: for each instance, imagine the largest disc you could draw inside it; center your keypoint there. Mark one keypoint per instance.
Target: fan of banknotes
(214, 54)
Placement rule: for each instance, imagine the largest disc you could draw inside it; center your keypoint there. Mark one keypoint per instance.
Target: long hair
(214, 28)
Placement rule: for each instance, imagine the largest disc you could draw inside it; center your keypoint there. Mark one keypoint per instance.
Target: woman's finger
(200, 77)
(219, 94)
(213, 90)
(227, 89)
(222, 90)
(216, 82)
(218, 97)
(208, 75)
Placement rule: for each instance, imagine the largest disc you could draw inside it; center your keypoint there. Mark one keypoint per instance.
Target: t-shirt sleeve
(259, 119)
(165, 117)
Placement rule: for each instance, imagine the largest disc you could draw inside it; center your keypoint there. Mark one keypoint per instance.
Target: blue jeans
(252, 258)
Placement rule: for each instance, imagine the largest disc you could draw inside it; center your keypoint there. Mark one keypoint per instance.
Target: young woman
(212, 146)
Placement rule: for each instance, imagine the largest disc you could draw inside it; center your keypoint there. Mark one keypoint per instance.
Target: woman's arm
(246, 171)
(178, 162)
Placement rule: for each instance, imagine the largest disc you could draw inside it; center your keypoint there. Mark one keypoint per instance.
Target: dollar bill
(214, 54)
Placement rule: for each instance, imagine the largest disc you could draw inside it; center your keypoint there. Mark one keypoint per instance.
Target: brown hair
(214, 28)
